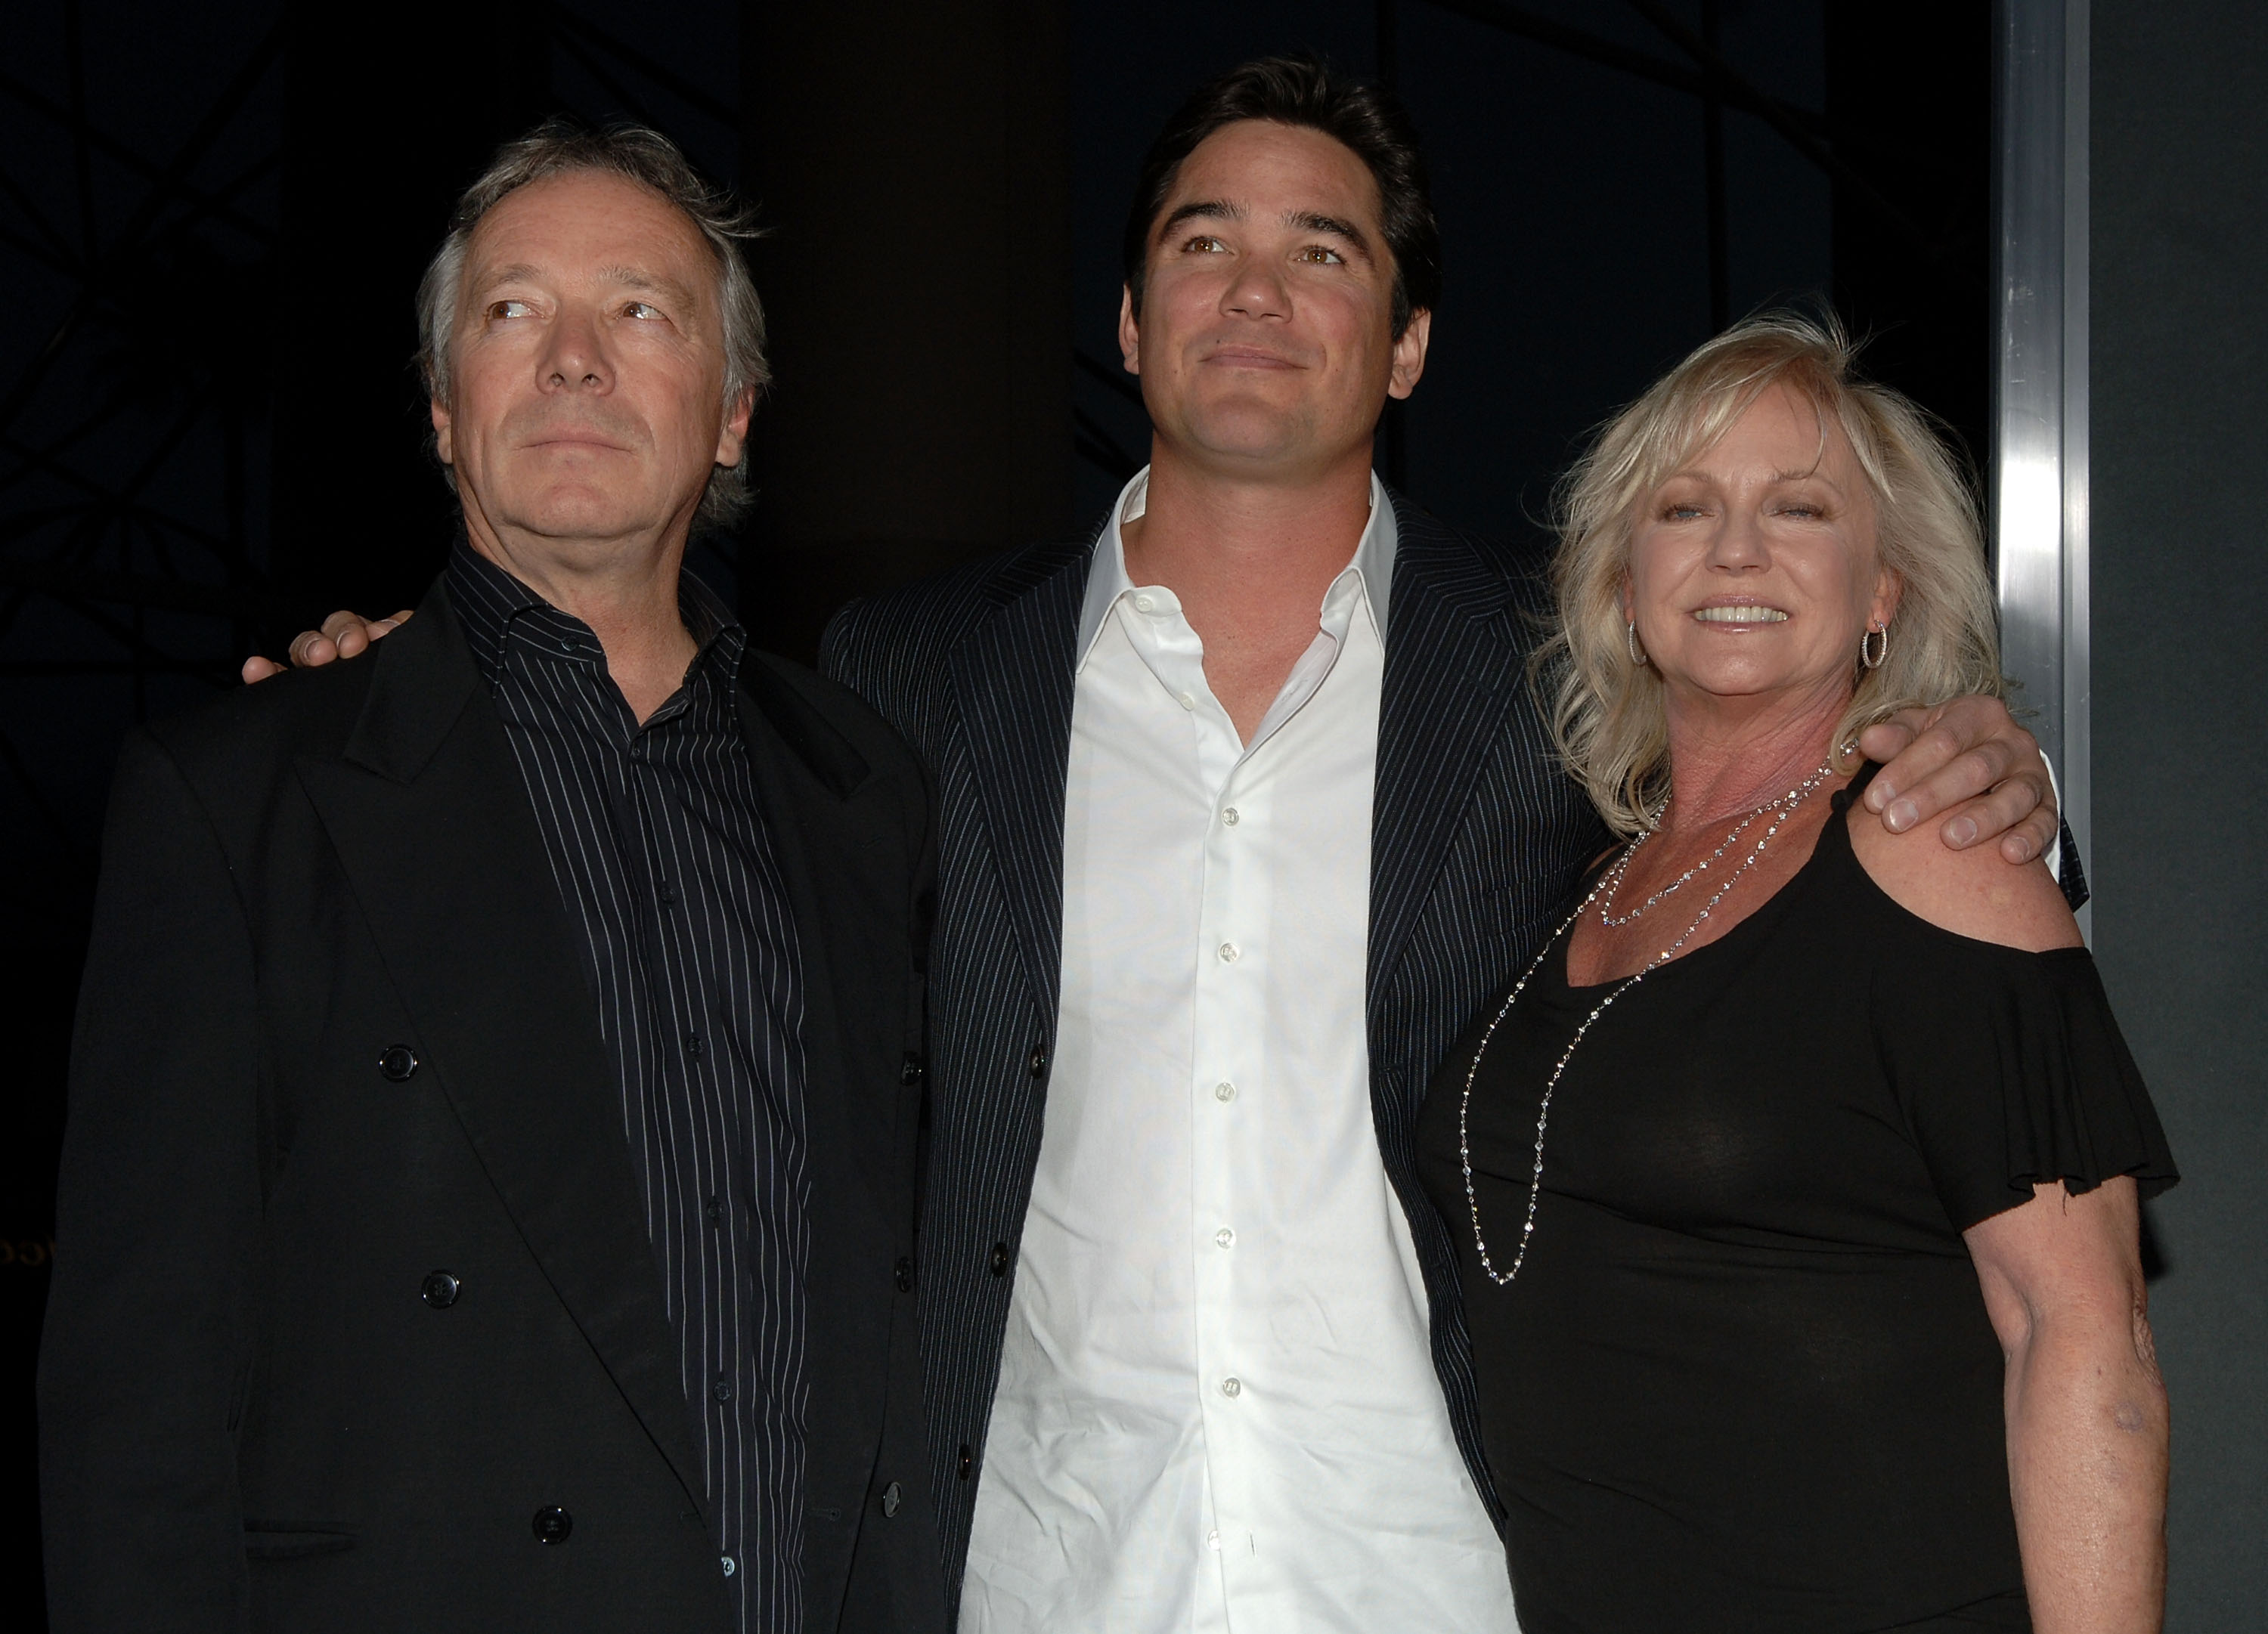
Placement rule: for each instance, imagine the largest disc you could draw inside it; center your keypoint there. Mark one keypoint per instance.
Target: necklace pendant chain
(1784, 807)
(1613, 876)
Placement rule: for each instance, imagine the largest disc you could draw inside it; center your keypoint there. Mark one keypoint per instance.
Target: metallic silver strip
(2039, 468)
(2076, 764)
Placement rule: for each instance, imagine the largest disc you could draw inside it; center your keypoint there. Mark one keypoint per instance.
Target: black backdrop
(210, 224)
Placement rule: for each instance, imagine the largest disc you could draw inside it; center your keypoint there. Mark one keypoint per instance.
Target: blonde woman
(1796, 1181)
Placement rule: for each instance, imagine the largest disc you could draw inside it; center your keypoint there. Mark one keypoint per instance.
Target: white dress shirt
(1217, 1408)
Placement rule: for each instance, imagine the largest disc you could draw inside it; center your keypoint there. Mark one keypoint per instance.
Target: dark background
(211, 221)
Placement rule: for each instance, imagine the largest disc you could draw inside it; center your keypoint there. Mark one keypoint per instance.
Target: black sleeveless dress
(1745, 1381)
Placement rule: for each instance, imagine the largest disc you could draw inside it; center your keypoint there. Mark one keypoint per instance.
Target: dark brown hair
(1303, 92)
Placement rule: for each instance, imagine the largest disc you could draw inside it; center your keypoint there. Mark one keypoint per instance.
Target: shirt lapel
(1013, 679)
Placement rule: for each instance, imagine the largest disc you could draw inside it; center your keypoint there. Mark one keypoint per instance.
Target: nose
(1257, 291)
(1739, 543)
(575, 357)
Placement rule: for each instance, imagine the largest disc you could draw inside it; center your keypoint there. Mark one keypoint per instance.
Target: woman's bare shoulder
(1976, 893)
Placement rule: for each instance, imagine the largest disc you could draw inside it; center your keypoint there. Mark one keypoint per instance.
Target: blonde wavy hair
(1606, 712)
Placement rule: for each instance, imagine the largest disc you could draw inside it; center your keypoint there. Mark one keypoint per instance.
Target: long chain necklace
(1783, 806)
(1614, 878)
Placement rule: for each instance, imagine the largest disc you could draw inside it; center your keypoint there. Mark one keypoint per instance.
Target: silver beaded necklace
(1783, 806)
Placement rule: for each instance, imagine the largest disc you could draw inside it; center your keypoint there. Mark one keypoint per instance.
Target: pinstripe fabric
(658, 843)
(1477, 840)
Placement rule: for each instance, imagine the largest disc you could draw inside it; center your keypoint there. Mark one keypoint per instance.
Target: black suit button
(910, 1070)
(1038, 1060)
(997, 1262)
(968, 1462)
(892, 1495)
(903, 1274)
(553, 1524)
(722, 1389)
(439, 1290)
(399, 1062)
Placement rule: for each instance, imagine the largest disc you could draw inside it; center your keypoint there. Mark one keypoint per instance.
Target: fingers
(348, 635)
(2013, 812)
(343, 636)
(1883, 742)
(311, 648)
(2036, 835)
(1970, 759)
(1959, 784)
(1922, 754)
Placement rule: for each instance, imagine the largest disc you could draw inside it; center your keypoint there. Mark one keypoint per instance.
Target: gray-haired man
(488, 1199)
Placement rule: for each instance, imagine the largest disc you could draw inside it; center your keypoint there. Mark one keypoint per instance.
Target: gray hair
(644, 156)
(1607, 713)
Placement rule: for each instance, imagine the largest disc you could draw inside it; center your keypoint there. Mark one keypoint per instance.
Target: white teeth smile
(1745, 613)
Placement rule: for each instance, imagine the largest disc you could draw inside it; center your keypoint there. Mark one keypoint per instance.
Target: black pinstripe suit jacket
(1476, 842)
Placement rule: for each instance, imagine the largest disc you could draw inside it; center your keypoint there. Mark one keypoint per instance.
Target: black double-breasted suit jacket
(256, 1413)
(1477, 839)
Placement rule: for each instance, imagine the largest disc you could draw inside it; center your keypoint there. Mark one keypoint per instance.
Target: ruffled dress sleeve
(2012, 1072)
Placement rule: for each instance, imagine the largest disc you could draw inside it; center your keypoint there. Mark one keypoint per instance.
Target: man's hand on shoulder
(343, 635)
(1968, 762)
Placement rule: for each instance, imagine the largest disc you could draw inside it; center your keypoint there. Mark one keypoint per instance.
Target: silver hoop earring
(1871, 658)
(1629, 640)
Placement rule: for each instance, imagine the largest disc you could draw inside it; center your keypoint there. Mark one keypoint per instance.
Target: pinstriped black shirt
(658, 843)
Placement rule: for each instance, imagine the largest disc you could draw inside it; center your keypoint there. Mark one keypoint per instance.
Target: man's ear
(1410, 355)
(732, 435)
(441, 423)
(1130, 331)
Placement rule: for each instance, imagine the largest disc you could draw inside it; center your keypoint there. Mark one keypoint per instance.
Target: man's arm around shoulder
(147, 1346)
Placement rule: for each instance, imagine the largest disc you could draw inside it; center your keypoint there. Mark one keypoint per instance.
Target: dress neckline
(1834, 836)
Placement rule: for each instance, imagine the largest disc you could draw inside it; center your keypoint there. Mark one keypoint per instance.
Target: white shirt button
(1225, 1237)
(1213, 1541)
(1188, 700)
(1230, 817)
(1232, 1386)
(730, 1567)
(1230, 952)
(1145, 604)
(1224, 1091)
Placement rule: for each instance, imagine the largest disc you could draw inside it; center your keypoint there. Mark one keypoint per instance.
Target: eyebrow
(1305, 220)
(639, 278)
(1202, 209)
(1313, 221)
(626, 277)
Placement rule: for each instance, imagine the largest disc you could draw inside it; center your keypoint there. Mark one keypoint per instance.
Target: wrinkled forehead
(591, 226)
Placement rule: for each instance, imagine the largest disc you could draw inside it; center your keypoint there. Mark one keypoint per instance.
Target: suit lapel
(805, 788)
(428, 814)
(1451, 653)
(1013, 679)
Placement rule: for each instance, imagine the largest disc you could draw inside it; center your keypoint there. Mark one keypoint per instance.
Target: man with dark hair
(1246, 809)
(488, 1200)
